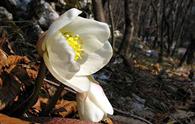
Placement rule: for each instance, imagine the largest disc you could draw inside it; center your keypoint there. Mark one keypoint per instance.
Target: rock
(138, 46)
(45, 14)
(5, 15)
(17, 7)
(32, 32)
(181, 51)
(152, 53)
(62, 2)
(22, 4)
(137, 105)
(193, 10)
(117, 33)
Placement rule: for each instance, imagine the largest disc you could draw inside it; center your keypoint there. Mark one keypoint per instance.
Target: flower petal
(88, 110)
(61, 56)
(93, 33)
(97, 96)
(59, 59)
(80, 84)
(91, 62)
(63, 20)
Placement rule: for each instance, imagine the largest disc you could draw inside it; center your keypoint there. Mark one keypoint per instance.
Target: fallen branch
(132, 115)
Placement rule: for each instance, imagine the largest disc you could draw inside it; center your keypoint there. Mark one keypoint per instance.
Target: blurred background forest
(150, 78)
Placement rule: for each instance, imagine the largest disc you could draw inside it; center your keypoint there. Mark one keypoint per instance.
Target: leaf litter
(137, 88)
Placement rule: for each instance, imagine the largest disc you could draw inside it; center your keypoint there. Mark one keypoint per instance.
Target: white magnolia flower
(93, 105)
(75, 47)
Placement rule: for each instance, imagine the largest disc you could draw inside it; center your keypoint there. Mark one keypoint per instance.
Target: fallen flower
(74, 48)
(93, 105)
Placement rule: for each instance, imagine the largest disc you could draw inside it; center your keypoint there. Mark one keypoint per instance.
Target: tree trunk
(112, 24)
(160, 59)
(129, 28)
(137, 21)
(189, 54)
(98, 10)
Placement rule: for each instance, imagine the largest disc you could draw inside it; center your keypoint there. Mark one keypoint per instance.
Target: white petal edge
(88, 110)
(61, 56)
(97, 96)
(91, 43)
(80, 84)
(94, 61)
(90, 31)
(63, 20)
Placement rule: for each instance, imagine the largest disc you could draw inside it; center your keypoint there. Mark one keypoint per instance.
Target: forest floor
(160, 93)
(141, 90)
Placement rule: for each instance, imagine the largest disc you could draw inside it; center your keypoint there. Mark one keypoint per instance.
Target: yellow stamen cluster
(75, 42)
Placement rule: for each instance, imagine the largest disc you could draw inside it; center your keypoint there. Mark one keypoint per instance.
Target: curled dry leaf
(9, 90)
(4, 119)
(107, 121)
(14, 59)
(3, 58)
(1, 82)
(65, 108)
(14, 79)
(38, 106)
(32, 73)
(5, 45)
(157, 67)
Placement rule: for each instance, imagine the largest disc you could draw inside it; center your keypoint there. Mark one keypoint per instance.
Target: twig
(38, 83)
(57, 85)
(31, 100)
(132, 115)
(52, 101)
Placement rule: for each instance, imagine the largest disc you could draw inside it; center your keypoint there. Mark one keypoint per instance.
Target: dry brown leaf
(1, 82)
(3, 59)
(142, 67)
(5, 44)
(32, 73)
(4, 119)
(108, 121)
(14, 79)
(64, 107)
(9, 90)
(20, 72)
(156, 67)
(38, 105)
(15, 59)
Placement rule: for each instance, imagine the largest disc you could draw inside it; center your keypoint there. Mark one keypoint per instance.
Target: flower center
(75, 42)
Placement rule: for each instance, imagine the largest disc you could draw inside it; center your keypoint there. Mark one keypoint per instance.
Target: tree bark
(137, 21)
(98, 10)
(129, 28)
(112, 24)
(160, 59)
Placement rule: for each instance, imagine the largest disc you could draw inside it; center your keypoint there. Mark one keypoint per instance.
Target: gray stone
(5, 15)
